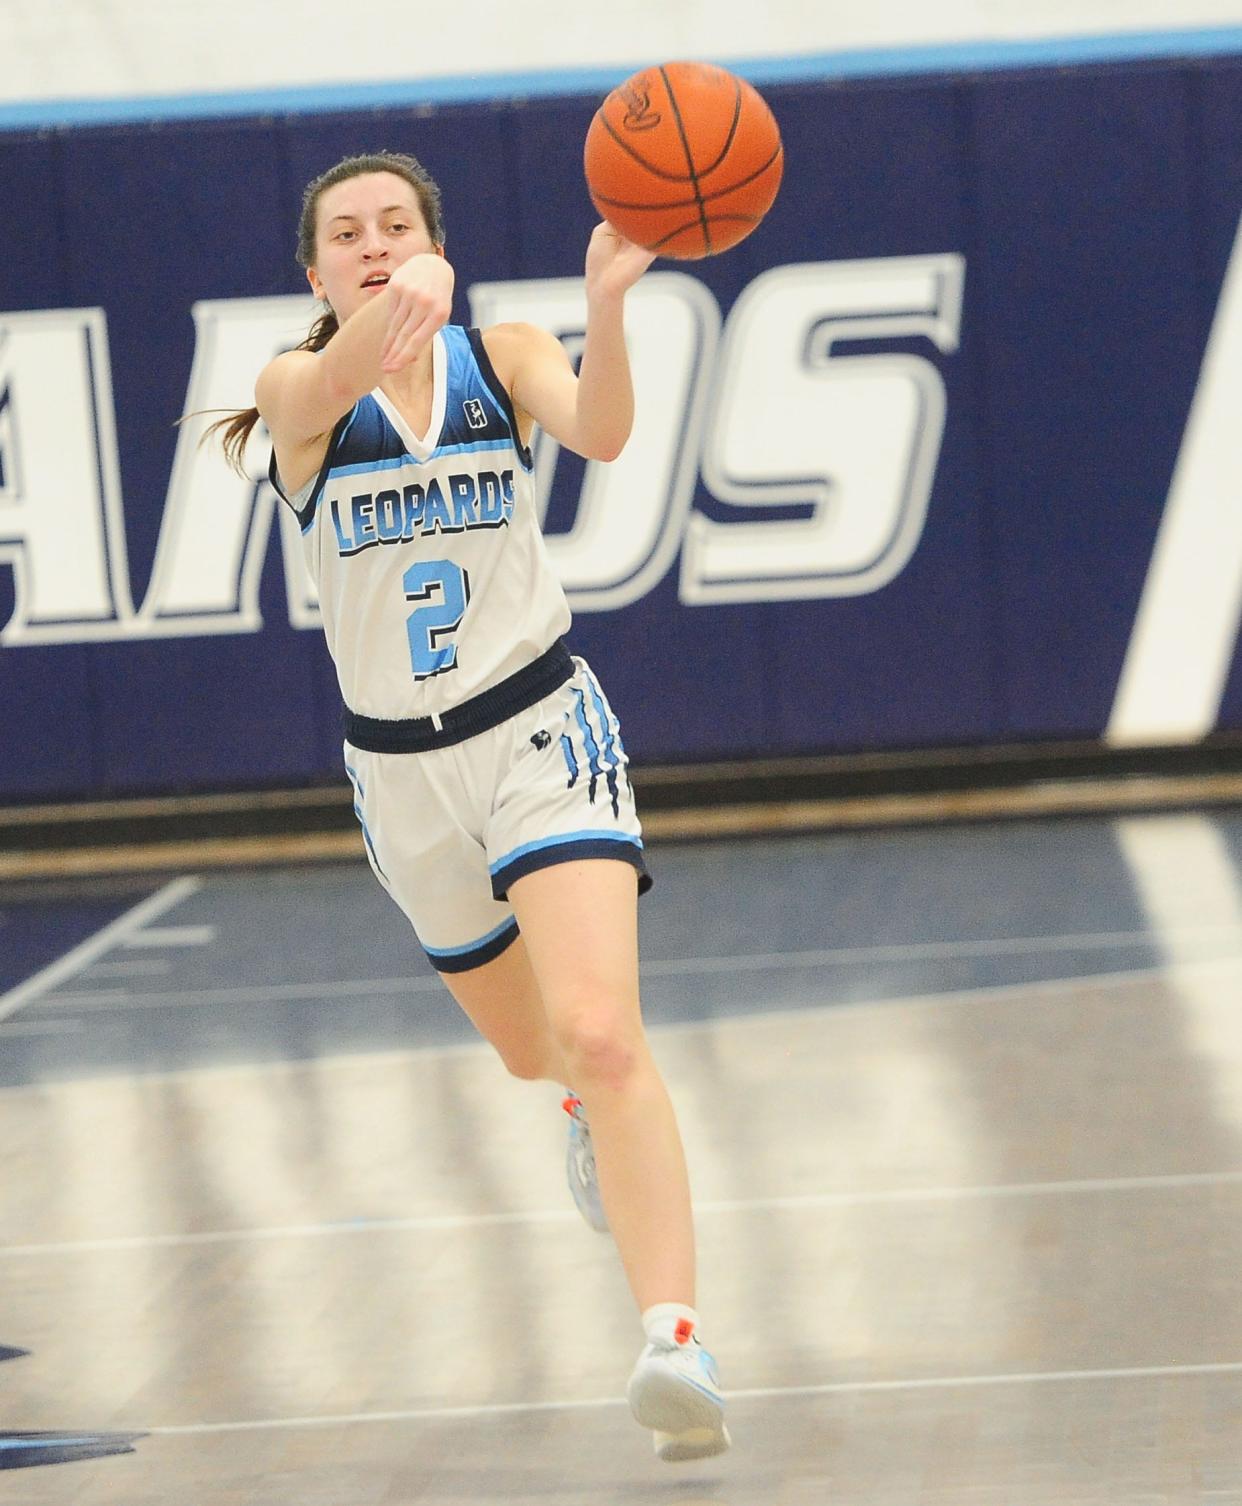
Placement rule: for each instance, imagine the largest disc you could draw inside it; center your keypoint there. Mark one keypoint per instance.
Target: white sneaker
(675, 1392)
(580, 1167)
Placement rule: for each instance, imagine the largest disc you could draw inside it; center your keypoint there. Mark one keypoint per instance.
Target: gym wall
(944, 455)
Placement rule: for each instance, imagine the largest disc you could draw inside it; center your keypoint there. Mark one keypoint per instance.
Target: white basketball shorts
(447, 831)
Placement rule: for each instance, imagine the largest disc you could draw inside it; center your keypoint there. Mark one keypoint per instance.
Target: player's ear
(439, 248)
(316, 286)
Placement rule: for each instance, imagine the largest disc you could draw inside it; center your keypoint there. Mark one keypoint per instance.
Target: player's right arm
(301, 394)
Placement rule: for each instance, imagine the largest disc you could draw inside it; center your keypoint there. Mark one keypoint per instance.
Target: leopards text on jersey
(434, 580)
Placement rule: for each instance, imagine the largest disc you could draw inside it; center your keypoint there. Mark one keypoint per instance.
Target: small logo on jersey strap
(475, 416)
(541, 740)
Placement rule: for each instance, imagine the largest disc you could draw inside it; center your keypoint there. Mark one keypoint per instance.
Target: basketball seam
(657, 172)
(694, 177)
(724, 150)
(715, 219)
(700, 198)
(637, 156)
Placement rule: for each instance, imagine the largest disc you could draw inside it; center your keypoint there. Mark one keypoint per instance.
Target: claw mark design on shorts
(590, 744)
(571, 761)
(611, 752)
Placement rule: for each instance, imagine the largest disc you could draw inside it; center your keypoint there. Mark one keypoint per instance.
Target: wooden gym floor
(964, 1114)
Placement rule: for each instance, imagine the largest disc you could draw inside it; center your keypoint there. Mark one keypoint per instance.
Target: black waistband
(420, 734)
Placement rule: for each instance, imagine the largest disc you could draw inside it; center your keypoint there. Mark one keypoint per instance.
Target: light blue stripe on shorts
(470, 946)
(568, 836)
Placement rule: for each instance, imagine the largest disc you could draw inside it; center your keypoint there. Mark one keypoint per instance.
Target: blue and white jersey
(434, 580)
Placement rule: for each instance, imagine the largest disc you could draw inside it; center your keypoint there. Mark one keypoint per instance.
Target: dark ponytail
(235, 429)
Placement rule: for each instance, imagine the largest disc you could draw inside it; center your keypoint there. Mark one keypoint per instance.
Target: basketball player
(488, 771)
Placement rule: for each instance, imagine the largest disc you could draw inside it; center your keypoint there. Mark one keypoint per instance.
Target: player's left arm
(591, 412)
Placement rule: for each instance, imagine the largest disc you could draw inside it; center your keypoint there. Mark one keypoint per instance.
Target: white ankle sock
(662, 1322)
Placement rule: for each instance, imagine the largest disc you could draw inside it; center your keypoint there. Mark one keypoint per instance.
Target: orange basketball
(683, 158)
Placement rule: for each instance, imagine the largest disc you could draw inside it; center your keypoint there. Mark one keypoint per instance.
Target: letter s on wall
(857, 437)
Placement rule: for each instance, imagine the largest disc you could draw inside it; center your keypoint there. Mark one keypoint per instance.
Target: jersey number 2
(445, 589)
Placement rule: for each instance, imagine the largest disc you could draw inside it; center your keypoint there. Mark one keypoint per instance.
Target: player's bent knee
(596, 1054)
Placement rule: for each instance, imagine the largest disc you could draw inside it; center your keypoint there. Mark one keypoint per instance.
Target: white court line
(97, 997)
(761, 1019)
(998, 946)
(762, 1393)
(8, 1029)
(804, 1202)
(274, 993)
(161, 936)
(270, 993)
(94, 947)
(130, 967)
(286, 992)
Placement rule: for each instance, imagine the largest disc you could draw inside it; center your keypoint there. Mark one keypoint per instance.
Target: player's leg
(565, 851)
(502, 1000)
(579, 919)
(435, 868)
(579, 923)
(563, 807)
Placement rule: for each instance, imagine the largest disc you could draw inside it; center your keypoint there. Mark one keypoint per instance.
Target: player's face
(365, 228)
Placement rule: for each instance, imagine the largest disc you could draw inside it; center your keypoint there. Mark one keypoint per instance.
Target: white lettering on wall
(773, 411)
(61, 523)
(216, 523)
(632, 512)
(1186, 629)
(856, 437)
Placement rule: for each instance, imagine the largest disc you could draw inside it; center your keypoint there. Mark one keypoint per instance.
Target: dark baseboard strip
(333, 836)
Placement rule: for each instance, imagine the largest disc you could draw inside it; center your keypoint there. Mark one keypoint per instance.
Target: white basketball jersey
(434, 580)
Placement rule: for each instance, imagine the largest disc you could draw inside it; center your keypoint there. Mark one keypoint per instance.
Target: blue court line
(879, 62)
(52, 1440)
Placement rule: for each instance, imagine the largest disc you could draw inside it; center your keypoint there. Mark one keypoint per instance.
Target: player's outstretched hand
(422, 299)
(614, 264)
